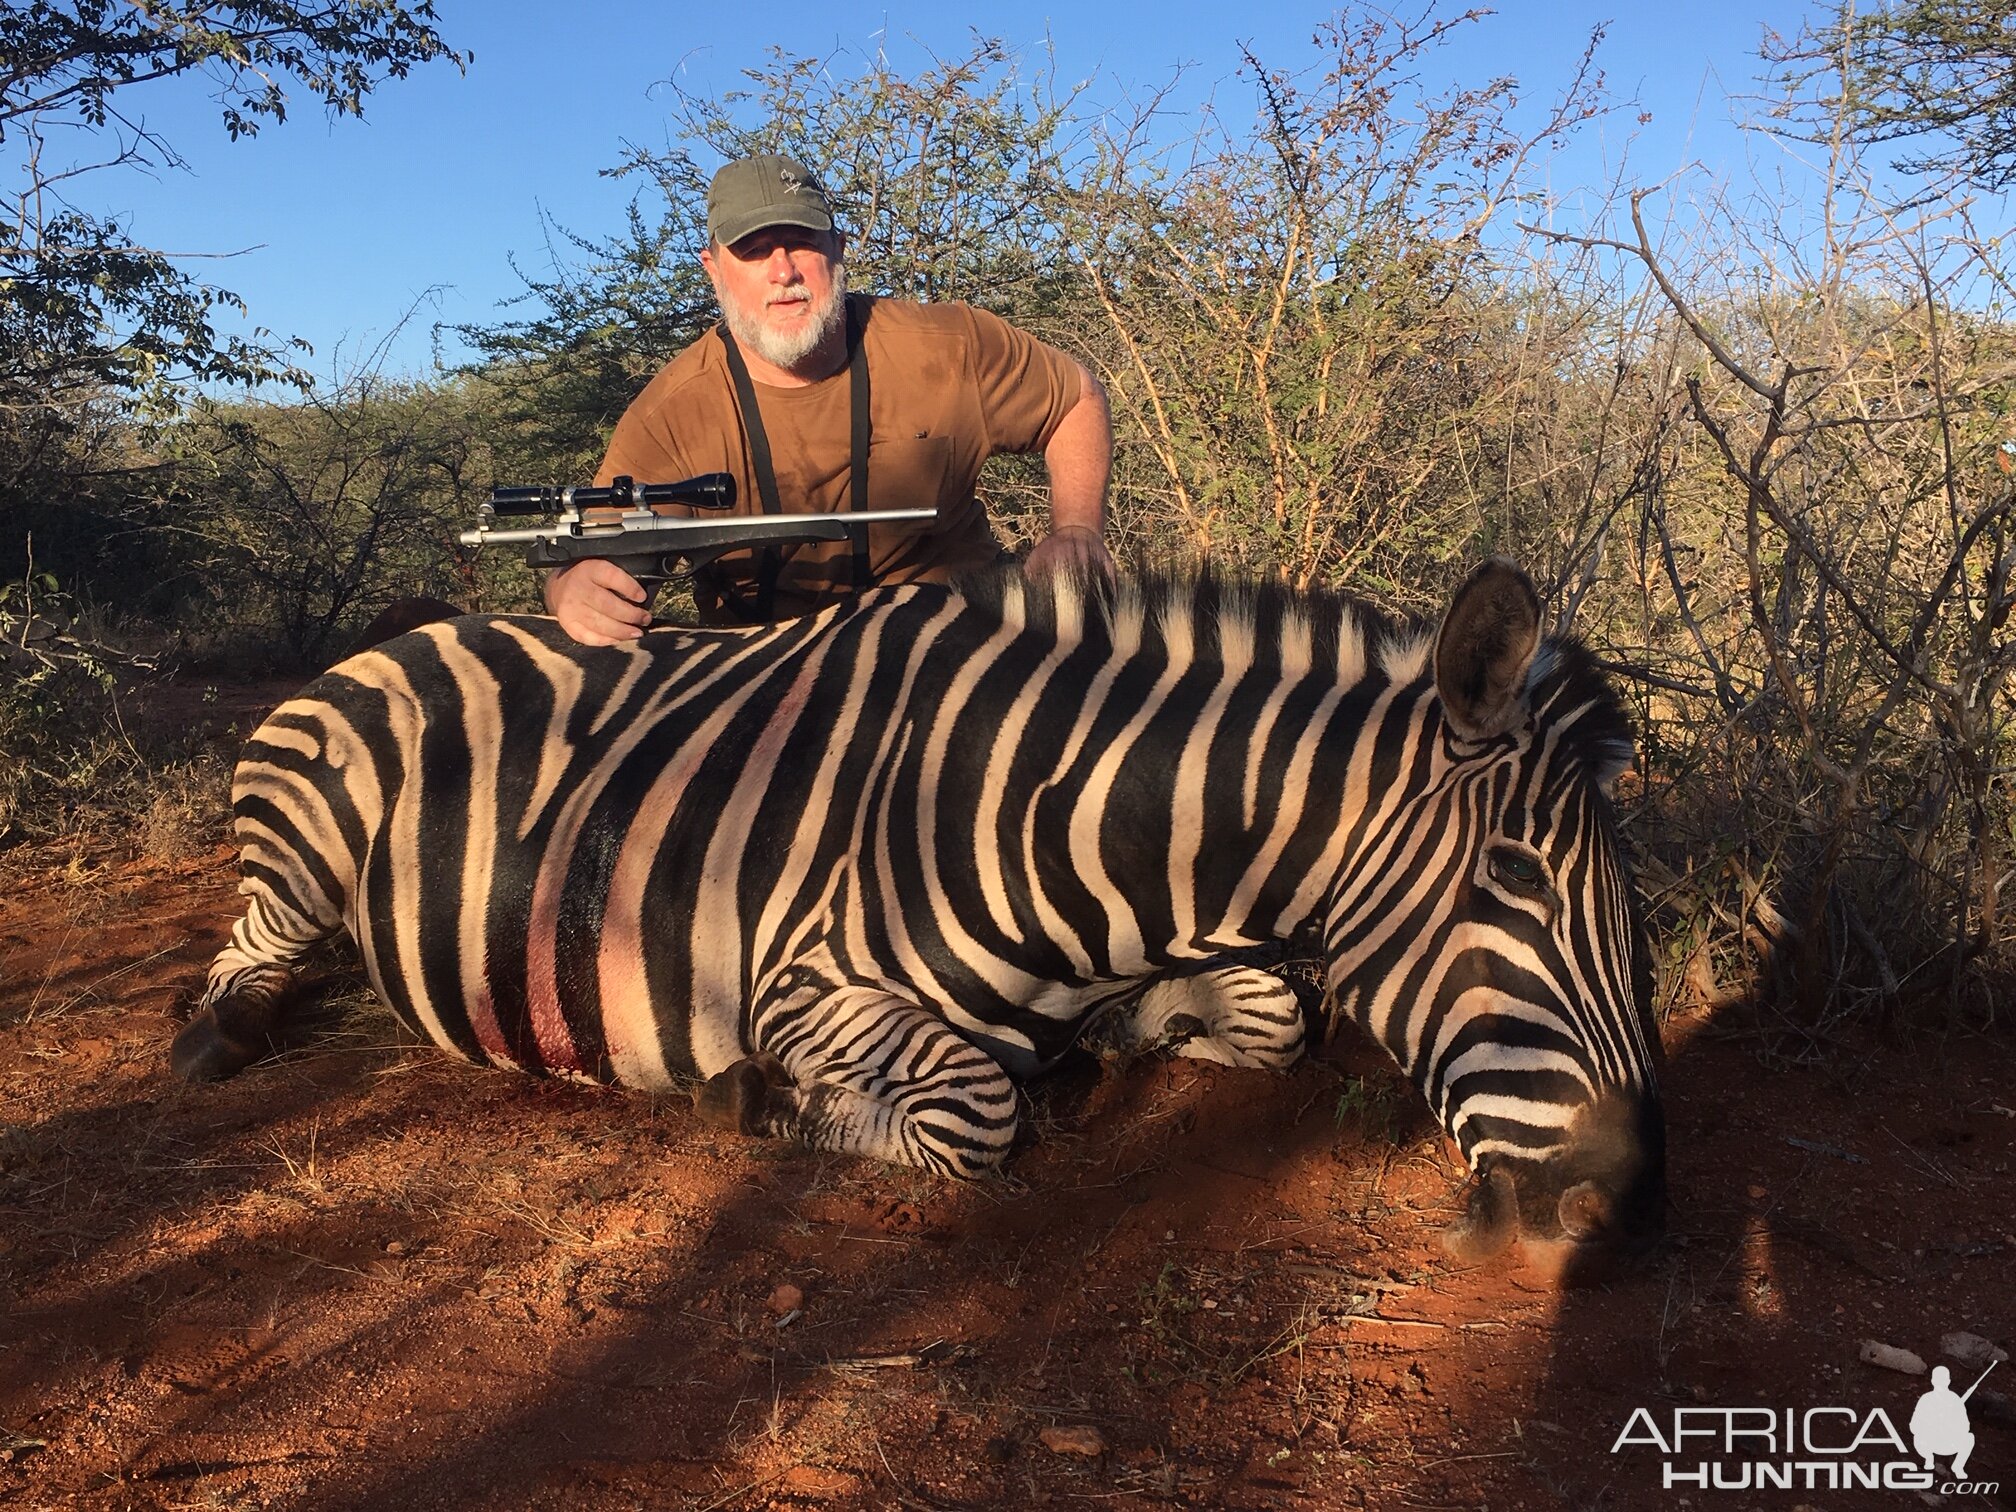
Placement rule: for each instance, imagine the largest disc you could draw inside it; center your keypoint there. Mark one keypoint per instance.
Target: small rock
(1885, 1357)
(787, 1298)
(1971, 1350)
(1079, 1438)
(395, 1246)
(1759, 1192)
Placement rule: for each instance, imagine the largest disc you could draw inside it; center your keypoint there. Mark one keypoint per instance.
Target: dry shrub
(189, 813)
(74, 762)
(1814, 598)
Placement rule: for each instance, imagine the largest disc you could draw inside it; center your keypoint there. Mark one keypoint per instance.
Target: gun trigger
(659, 570)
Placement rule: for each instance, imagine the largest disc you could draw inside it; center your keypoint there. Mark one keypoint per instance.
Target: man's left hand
(1075, 549)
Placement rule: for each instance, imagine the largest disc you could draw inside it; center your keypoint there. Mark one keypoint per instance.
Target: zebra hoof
(1491, 1222)
(741, 1098)
(203, 1052)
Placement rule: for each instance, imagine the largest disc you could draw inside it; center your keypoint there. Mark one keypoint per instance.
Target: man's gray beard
(778, 348)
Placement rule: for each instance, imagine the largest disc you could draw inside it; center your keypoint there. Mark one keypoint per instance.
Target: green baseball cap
(765, 190)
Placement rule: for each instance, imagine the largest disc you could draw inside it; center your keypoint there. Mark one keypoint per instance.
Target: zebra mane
(1566, 685)
(1201, 618)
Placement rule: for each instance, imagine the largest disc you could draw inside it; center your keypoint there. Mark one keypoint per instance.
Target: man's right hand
(597, 602)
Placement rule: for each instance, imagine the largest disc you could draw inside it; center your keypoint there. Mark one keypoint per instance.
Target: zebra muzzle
(748, 1097)
(1585, 1211)
(1490, 1221)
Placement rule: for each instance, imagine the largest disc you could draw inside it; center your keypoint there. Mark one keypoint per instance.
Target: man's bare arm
(1080, 461)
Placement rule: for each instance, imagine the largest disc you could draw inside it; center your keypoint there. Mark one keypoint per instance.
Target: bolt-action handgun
(649, 546)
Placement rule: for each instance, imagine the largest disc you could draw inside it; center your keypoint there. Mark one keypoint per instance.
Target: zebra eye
(1519, 872)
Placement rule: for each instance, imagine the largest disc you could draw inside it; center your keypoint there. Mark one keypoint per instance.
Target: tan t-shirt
(949, 386)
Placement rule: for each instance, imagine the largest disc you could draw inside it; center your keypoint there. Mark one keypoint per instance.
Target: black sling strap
(771, 562)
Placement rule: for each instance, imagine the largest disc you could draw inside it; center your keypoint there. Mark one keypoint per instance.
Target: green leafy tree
(95, 325)
(607, 315)
(945, 181)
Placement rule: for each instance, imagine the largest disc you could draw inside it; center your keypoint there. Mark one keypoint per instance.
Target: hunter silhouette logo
(1939, 1422)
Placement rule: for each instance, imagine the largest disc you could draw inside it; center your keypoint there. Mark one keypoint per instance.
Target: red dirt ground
(365, 1276)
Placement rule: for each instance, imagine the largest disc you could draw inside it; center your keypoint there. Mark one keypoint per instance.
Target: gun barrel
(1978, 1380)
(657, 533)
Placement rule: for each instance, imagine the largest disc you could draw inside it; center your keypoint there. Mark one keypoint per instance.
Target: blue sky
(342, 228)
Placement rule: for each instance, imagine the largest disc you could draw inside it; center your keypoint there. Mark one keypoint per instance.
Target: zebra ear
(1484, 647)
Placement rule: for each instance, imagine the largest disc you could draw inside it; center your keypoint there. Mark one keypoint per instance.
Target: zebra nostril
(1585, 1211)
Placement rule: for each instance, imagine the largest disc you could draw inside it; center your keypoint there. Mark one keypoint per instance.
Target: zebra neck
(1195, 791)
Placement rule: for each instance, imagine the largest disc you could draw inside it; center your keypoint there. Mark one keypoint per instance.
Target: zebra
(859, 874)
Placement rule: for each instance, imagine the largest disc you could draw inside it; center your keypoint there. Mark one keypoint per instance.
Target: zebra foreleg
(1235, 1016)
(234, 1028)
(246, 997)
(859, 1072)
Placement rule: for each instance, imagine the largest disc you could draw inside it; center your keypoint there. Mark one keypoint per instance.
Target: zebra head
(1486, 931)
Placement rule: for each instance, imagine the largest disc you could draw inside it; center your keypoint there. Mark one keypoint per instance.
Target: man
(818, 401)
